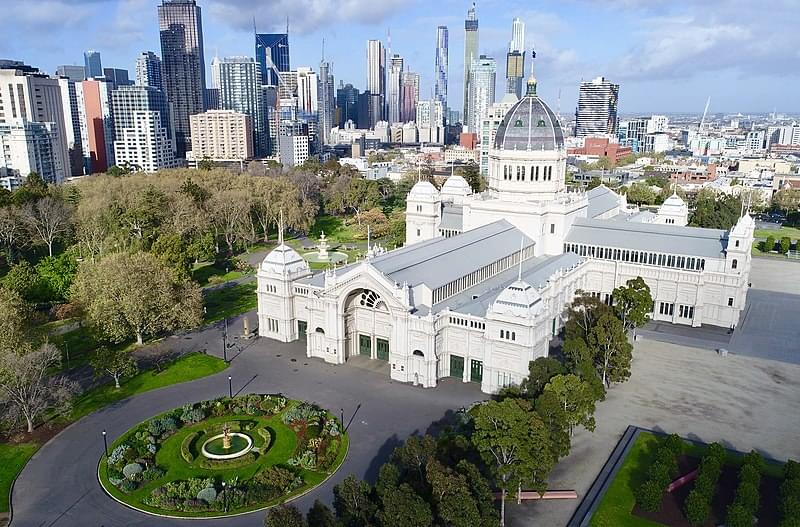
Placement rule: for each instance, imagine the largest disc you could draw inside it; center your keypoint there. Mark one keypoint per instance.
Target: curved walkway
(59, 487)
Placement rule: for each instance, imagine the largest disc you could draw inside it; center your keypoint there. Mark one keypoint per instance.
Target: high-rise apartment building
(440, 90)
(470, 52)
(183, 62)
(27, 146)
(144, 134)
(327, 101)
(515, 59)
(272, 49)
(93, 66)
(376, 80)
(409, 97)
(221, 135)
(97, 124)
(395, 88)
(149, 70)
(597, 108)
(430, 116)
(307, 90)
(28, 94)
(72, 124)
(73, 73)
(240, 91)
(347, 104)
(483, 76)
(491, 122)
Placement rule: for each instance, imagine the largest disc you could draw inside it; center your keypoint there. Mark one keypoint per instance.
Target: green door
(302, 327)
(456, 366)
(382, 348)
(365, 345)
(476, 371)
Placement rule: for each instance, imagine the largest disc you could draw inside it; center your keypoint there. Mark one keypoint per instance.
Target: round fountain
(323, 254)
(227, 445)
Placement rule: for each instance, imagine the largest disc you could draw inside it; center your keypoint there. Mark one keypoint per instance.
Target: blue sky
(668, 56)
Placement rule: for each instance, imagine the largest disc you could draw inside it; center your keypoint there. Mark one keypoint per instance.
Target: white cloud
(45, 14)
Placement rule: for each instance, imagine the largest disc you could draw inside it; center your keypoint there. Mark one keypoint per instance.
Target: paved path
(58, 487)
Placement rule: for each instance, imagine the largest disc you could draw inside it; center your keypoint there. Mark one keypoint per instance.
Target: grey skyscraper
(395, 89)
(184, 78)
(73, 73)
(440, 91)
(117, 76)
(483, 75)
(327, 102)
(515, 59)
(92, 63)
(240, 90)
(347, 102)
(376, 80)
(597, 108)
(149, 70)
(470, 53)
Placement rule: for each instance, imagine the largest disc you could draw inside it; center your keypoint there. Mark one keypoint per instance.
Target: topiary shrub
(133, 471)
(697, 508)
(208, 495)
(738, 516)
(649, 496)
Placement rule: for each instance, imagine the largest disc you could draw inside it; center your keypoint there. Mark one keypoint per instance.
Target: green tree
(13, 235)
(576, 398)
(593, 183)
(472, 173)
(24, 280)
(136, 295)
(786, 243)
(769, 244)
(715, 211)
(481, 492)
(633, 303)
(319, 515)
(612, 351)
(114, 362)
(173, 251)
(641, 194)
(514, 442)
(352, 502)
(787, 200)
(14, 322)
(452, 499)
(540, 371)
(48, 219)
(284, 516)
(402, 507)
(414, 455)
(552, 412)
(206, 164)
(34, 188)
(388, 478)
(56, 274)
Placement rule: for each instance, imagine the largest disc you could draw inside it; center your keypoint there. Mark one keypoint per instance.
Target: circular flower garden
(225, 456)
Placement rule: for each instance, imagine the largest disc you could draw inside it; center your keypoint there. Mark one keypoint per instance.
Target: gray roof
(529, 125)
(601, 200)
(439, 261)
(535, 272)
(690, 241)
(452, 217)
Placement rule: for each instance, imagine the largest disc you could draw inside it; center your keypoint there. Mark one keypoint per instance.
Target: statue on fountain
(226, 436)
(323, 247)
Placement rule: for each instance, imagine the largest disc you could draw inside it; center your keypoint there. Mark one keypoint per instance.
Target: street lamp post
(105, 443)
(341, 412)
(225, 342)
(230, 387)
(224, 498)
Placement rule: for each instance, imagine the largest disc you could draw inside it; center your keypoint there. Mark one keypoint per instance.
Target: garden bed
(159, 467)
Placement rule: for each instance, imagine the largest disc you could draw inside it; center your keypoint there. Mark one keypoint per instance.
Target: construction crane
(705, 112)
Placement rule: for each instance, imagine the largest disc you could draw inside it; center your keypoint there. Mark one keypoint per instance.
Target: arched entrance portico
(367, 325)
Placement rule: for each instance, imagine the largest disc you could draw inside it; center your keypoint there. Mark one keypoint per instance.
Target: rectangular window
(552, 228)
(730, 302)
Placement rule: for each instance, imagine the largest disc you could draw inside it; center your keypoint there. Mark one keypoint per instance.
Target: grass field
(187, 368)
(209, 273)
(226, 302)
(78, 345)
(791, 232)
(335, 229)
(12, 460)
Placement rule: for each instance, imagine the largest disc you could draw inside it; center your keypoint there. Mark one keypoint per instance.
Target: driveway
(59, 485)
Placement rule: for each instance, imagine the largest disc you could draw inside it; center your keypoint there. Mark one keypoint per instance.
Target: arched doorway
(367, 325)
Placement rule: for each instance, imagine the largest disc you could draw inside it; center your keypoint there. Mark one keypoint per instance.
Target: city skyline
(694, 51)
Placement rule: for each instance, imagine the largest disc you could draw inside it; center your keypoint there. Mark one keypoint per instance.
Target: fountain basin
(241, 444)
(330, 257)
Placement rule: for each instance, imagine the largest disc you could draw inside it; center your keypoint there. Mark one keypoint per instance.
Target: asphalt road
(59, 487)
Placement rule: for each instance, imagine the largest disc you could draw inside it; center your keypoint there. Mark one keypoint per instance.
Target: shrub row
(790, 495)
(745, 504)
(663, 469)
(698, 503)
(186, 447)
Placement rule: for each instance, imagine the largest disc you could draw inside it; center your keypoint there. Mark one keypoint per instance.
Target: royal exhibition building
(480, 288)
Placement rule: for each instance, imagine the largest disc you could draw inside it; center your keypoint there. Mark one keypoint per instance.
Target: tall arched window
(734, 263)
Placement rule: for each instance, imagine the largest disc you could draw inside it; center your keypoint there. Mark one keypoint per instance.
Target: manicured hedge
(660, 473)
(186, 445)
(745, 504)
(790, 495)
(698, 503)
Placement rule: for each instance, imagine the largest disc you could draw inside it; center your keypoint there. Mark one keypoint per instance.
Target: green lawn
(335, 229)
(226, 302)
(209, 273)
(187, 368)
(12, 459)
(791, 232)
(78, 345)
(615, 508)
